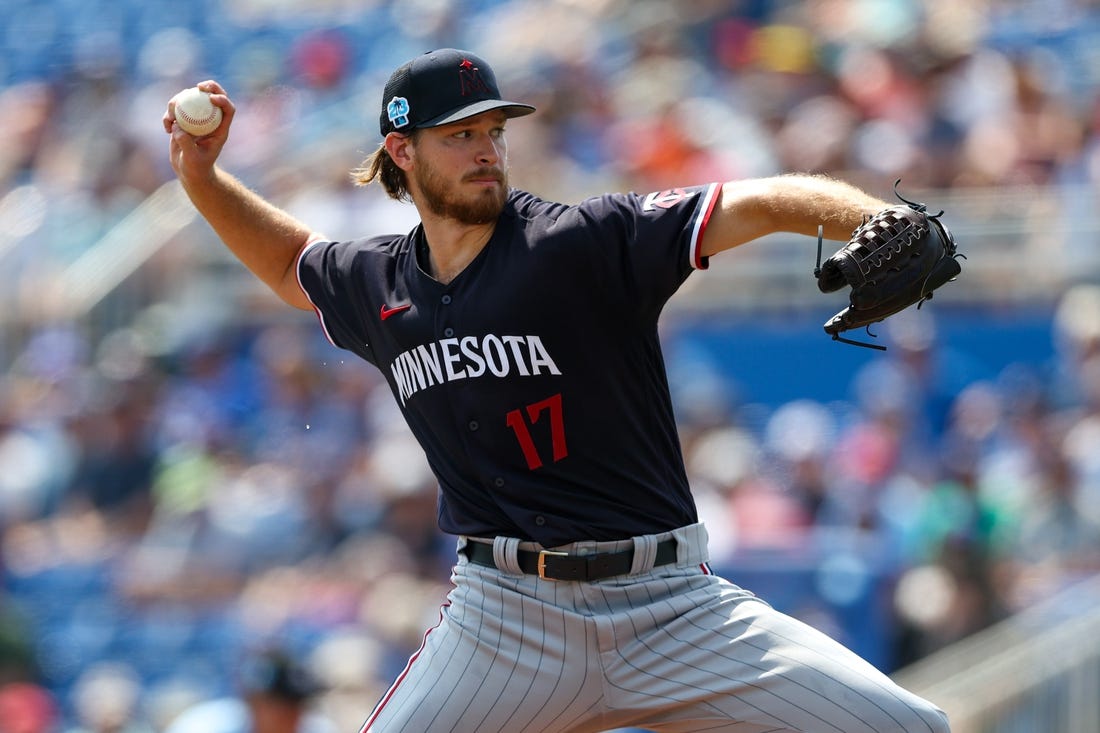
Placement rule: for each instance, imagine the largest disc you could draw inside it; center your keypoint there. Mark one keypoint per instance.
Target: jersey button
(445, 300)
(473, 425)
(498, 482)
(448, 332)
(540, 520)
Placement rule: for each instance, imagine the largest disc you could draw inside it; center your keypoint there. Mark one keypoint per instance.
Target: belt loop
(692, 544)
(505, 555)
(645, 553)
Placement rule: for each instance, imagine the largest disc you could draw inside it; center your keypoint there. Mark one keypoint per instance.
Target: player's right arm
(265, 238)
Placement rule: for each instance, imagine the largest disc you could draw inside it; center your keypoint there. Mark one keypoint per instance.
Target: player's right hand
(193, 158)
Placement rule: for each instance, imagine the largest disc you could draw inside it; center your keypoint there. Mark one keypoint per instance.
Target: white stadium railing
(1037, 671)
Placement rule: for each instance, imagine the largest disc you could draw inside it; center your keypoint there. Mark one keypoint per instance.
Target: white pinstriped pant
(668, 649)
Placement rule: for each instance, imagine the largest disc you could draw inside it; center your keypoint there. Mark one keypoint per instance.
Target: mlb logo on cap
(440, 87)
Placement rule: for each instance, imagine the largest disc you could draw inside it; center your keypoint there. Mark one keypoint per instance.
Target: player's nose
(488, 150)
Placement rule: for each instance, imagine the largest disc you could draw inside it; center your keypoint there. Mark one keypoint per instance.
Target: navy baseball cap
(440, 87)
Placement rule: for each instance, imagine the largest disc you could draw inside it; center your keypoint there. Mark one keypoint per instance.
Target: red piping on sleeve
(698, 261)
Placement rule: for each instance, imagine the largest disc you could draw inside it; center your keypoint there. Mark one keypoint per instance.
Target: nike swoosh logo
(387, 312)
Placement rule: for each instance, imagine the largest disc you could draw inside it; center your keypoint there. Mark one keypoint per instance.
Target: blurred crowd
(192, 481)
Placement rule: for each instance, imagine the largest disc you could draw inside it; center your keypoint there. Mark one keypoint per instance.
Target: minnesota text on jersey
(469, 357)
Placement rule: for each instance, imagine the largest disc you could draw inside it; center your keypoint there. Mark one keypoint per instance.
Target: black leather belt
(563, 566)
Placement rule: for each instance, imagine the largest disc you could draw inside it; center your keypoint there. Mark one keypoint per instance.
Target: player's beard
(446, 200)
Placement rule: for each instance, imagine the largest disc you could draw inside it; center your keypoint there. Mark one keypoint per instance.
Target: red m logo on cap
(469, 76)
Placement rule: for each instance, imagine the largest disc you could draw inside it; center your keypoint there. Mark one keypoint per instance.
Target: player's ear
(399, 148)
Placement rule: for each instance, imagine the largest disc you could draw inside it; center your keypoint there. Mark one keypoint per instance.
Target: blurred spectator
(105, 700)
(114, 473)
(27, 708)
(17, 661)
(275, 694)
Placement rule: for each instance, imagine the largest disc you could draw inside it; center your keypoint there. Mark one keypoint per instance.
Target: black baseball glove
(896, 258)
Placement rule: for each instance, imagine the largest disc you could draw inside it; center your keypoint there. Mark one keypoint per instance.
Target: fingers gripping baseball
(198, 120)
(201, 110)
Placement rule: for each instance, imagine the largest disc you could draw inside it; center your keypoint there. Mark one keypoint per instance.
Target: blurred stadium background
(187, 470)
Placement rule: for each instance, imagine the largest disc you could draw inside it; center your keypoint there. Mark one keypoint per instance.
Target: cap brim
(512, 109)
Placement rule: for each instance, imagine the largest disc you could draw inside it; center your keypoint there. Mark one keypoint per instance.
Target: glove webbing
(837, 336)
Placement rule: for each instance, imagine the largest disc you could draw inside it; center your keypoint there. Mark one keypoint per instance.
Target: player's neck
(452, 247)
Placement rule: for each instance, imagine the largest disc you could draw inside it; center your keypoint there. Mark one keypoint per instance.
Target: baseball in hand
(195, 113)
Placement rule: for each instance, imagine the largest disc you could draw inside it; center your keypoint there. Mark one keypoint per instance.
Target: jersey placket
(466, 423)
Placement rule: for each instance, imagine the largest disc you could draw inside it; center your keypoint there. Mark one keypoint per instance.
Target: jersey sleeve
(326, 272)
(648, 245)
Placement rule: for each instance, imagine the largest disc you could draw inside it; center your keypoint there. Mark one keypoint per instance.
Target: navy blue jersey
(534, 380)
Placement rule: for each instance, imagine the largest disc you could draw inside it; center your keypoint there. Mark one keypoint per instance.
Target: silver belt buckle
(542, 562)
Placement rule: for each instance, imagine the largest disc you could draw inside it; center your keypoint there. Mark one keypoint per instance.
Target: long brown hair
(380, 166)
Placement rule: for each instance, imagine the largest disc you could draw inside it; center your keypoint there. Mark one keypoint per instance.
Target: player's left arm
(752, 208)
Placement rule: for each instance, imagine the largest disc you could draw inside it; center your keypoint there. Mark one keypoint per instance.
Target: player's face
(461, 170)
